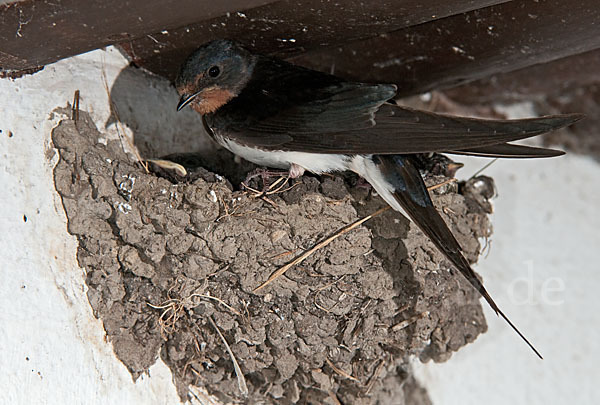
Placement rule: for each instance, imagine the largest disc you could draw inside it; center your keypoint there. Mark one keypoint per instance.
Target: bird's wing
(356, 118)
(285, 118)
(403, 130)
(404, 186)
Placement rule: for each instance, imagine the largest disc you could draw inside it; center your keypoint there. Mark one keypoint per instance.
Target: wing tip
(562, 120)
(553, 153)
(510, 151)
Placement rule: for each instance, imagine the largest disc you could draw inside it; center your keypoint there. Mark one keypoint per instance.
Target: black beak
(185, 100)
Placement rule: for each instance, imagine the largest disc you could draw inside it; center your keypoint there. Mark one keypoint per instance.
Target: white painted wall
(53, 349)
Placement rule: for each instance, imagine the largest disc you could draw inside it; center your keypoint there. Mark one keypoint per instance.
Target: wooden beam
(38, 32)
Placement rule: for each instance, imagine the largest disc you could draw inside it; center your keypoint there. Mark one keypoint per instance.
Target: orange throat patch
(211, 99)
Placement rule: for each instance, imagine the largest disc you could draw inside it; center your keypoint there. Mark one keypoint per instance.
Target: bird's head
(214, 74)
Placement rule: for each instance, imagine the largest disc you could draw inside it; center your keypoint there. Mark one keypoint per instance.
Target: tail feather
(399, 182)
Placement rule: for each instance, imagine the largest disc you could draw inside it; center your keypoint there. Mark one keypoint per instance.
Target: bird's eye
(214, 71)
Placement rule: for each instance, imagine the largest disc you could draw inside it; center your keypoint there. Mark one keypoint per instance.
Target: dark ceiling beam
(293, 27)
(419, 45)
(467, 47)
(38, 32)
(536, 83)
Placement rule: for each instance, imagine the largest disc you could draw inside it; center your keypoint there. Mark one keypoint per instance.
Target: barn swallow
(279, 115)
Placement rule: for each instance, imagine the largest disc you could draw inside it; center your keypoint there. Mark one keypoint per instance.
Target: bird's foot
(269, 188)
(265, 175)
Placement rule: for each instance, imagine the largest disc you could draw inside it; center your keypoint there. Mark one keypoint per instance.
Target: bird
(280, 115)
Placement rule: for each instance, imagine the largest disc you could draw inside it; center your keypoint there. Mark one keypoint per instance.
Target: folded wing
(357, 118)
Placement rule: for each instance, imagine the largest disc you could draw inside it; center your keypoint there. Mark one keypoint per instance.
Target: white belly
(313, 162)
(320, 163)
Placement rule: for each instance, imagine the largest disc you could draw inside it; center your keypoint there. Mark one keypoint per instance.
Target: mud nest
(171, 268)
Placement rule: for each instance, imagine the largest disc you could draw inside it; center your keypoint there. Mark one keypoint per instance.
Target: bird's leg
(293, 172)
(265, 175)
